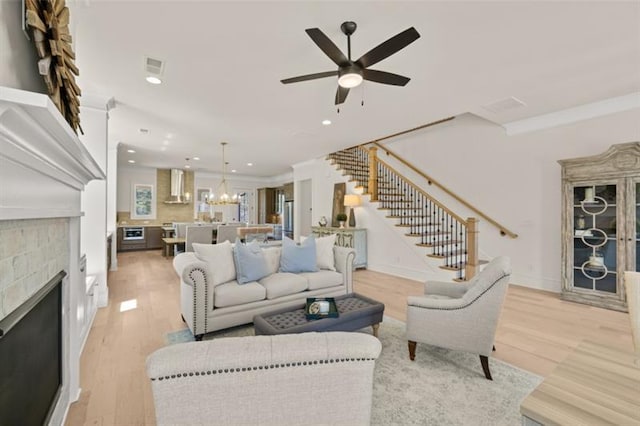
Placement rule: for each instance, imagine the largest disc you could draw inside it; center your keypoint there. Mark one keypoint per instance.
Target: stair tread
(428, 234)
(461, 265)
(439, 243)
(447, 254)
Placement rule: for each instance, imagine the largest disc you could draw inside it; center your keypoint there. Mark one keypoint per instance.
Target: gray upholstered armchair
(460, 316)
(288, 379)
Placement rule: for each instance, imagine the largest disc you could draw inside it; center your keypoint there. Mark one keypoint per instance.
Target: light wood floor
(536, 331)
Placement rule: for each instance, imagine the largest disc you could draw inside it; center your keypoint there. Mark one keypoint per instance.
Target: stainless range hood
(177, 188)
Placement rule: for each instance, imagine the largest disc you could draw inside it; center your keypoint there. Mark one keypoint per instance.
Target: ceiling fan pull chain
(362, 99)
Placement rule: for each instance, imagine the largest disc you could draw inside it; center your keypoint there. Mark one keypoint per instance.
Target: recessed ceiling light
(326, 122)
(165, 142)
(196, 158)
(153, 80)
(249, 164)
(164, 148)
(132, 161)
(131, 151)
(187, 166)
(233, 171)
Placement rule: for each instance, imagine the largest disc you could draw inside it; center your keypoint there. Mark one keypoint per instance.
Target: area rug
(440, 387)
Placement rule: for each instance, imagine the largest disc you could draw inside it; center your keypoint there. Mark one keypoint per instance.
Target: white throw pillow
(324, 251)
(272, 254)
(219, 258)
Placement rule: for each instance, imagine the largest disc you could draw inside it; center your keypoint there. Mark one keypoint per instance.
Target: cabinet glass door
(595, 237)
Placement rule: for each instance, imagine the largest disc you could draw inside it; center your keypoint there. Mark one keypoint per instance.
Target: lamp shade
(352, 200)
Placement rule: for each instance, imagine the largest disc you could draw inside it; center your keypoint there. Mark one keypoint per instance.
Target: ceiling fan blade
(388, 48)
(341, 95)
(385, 77)
(309, 77)
(327, 46)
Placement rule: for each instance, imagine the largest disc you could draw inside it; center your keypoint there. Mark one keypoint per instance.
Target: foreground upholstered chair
(289, 379)
(460, 316)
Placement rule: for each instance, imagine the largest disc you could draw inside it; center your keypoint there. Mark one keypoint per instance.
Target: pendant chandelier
(222, 196)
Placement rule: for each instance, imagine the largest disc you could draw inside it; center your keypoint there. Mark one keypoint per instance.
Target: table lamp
(352, 200)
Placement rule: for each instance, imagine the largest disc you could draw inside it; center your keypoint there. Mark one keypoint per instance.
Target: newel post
(373, 173)
(471, 267)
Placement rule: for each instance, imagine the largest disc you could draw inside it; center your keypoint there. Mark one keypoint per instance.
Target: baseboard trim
(538, 283)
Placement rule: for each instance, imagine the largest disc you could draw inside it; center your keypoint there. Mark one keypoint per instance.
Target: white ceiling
(225, 60)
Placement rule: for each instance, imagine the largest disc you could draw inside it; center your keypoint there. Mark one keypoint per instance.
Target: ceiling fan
(351, 73)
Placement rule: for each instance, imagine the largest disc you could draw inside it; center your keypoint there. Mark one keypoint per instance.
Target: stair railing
(450, 237)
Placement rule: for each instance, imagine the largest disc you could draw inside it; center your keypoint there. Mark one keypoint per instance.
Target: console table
(595, 385)
(355, 238)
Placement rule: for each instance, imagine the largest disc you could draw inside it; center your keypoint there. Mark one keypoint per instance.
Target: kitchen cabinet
(288, 191)
(600, 225)
(153, 236)
(355, 238)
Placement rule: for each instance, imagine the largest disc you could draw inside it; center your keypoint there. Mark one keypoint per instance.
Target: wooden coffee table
(356, 312)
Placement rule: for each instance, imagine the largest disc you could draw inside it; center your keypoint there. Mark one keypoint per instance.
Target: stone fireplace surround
(44, 168)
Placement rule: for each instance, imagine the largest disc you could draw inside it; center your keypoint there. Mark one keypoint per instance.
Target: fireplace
(44, 169)
(31, 357)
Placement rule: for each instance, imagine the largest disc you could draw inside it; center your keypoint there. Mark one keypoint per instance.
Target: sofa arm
(195, 297)
(280, 375)
(343, 259)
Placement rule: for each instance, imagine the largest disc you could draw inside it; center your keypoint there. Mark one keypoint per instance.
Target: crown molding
(575, 114)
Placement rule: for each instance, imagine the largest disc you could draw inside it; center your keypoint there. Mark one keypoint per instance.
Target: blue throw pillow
(251, 265)
(298, 258)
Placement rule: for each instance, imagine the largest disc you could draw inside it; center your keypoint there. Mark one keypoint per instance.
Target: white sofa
(208, 305)
(289, 379)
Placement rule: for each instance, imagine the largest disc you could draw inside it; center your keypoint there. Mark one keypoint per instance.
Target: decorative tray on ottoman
(321, 307)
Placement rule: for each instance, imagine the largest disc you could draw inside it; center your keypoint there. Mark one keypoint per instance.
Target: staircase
(443, 234)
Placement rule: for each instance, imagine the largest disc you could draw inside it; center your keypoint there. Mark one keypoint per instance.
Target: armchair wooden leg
(485, 366)
(494, 348)
(198, 337)
(412, 350)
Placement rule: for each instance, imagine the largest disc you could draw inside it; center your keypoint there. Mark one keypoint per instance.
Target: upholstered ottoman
(356, 312)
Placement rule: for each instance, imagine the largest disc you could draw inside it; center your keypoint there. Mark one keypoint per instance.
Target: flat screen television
(31, 357)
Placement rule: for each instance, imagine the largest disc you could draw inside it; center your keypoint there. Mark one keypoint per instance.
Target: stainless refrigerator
(287, 219)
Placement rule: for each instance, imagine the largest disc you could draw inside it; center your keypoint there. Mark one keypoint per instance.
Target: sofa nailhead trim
(206, 299)
(259, 367)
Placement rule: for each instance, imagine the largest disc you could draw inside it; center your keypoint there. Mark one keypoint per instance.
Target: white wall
(93, 241)
(323, 178)
(112, 194)
(514, 179)
(127, 176)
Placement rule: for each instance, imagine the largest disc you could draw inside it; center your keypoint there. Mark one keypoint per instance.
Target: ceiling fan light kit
(351, 73)
(350, 77)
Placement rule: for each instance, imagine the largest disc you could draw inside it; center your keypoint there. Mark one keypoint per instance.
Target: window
(244, 207)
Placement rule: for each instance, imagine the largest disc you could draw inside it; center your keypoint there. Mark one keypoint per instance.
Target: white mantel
(44, 167)
(43, 164)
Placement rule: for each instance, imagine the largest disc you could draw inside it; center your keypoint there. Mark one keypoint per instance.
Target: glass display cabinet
(600, 225)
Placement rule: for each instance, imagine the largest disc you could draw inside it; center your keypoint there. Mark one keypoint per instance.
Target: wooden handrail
(503, 229)
(430, 197)
(404, 132)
